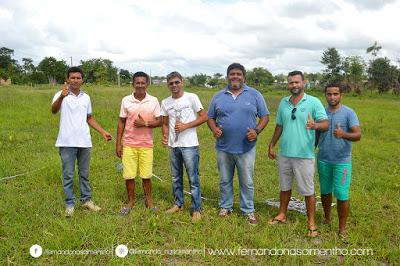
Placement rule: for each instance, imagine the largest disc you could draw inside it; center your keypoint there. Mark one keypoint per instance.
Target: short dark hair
(295, 73)
(335, 85)
(236, 66)
(141, 74)
(74, 69)
(174, 74)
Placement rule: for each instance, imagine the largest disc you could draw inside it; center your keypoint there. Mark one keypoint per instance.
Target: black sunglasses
(176, 82)
(293, 115)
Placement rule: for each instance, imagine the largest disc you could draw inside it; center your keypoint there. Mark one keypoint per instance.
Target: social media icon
(121, 251)
(36, 251)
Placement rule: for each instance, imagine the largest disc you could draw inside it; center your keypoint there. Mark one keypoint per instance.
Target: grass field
(32, 207)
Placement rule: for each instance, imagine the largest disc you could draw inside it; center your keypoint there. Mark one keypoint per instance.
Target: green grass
(32, 207)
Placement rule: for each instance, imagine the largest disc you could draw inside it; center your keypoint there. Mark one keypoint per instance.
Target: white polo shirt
(74, 130)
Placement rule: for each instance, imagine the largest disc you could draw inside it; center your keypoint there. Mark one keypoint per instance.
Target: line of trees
(379, 73)
(359, 75)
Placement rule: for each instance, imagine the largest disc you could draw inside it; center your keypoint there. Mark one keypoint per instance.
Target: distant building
(5, 82)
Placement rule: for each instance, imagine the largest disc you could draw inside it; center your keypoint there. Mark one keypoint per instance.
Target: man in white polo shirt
(74, 139)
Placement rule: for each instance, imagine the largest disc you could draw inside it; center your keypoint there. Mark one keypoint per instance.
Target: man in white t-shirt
(182, 112)
(74, 139)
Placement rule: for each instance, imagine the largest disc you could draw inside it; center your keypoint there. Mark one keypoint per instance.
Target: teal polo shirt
(296, 140)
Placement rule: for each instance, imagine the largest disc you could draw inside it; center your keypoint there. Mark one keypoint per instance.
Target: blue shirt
(236, 116)
(330, 148)
(296, 140)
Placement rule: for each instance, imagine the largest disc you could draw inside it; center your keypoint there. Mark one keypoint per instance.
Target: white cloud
(196, 36)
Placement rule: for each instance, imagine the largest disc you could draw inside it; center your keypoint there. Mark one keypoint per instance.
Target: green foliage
(55, 70)
(259, 77)
(382, 74)
(332, 60)
(198, 80)
(99, 71)
(354, 72)
(8, 66)
(126, 76)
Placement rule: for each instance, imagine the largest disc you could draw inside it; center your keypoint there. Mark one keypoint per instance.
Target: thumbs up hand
(338, 132)
(310, 122)
(217, 132)
(139, 122)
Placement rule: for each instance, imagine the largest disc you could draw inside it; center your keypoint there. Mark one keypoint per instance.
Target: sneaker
(252, 218)
(196, 216)
(91, 206)
(224, 212)
(69, 211)
(174, 209)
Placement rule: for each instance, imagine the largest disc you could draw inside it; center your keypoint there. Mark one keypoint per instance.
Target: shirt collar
(302, 99)
(134, 100)
(245, 88)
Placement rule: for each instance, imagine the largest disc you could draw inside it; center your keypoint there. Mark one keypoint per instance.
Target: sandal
(275, 221)
(312, 232)
(125, 211)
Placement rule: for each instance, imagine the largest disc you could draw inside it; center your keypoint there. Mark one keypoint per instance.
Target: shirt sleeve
(320, 113)
(157, 110)
(56, 96)
(163, 109)
(353, 119)
(279, 120)
(89, 107)
(122, 112)
(262, 109)
(196, 104)
(211, 109)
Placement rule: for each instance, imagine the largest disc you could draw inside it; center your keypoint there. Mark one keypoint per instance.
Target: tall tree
(354, 72)
(54, 69)
(8, 65)
(259, 76)
(99, 70)
(382, 74)
(332, 60)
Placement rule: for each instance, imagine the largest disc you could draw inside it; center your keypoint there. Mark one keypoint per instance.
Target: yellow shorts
(137, 162)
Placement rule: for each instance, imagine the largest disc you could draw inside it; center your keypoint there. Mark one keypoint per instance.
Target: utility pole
(71, 61)
(118, 78)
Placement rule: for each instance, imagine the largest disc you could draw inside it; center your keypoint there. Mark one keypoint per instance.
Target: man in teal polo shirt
(298, 117)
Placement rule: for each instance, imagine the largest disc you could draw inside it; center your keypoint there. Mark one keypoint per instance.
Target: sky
(199, 36)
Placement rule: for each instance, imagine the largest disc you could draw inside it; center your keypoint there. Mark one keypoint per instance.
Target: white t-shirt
(74, 130)
(185, 109)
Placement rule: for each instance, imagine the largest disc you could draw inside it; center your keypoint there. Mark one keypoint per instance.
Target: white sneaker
(69, 211)
(91, 206)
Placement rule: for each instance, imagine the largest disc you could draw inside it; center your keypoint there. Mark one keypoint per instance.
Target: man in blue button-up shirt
(232, 117)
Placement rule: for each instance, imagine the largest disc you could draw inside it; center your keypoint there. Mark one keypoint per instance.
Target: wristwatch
(257, 130)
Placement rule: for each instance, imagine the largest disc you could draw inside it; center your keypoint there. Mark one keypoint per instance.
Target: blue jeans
(188, 156)
(68, 157)
(245, 166)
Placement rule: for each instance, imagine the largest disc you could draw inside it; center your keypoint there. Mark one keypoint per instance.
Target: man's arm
(201, 118)
(321, 125)
(96, 126)
(353, 135)
(165, 130)
(214, 127)
(275, 137)
(253, 132)
(56, 105)
(120, 132)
